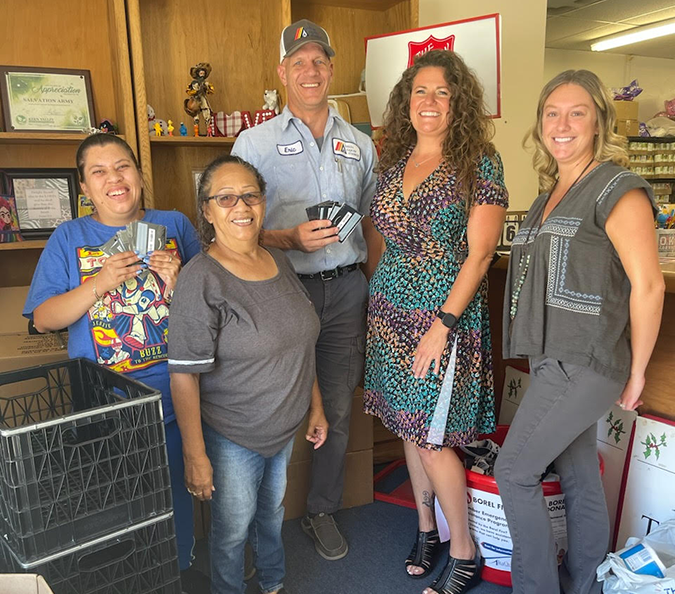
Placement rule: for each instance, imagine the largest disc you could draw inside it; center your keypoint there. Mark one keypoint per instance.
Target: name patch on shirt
(348, 150)
(290, 149)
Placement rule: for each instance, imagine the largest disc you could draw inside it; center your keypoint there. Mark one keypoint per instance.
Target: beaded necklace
(524, 261)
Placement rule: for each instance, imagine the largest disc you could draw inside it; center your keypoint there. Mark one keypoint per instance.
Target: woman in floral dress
(440, 206)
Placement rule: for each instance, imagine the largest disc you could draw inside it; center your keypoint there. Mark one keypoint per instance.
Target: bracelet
(98, 297)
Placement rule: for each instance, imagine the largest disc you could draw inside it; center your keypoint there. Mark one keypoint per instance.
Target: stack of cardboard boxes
(358, 464)
(18, 348)
(627, 122)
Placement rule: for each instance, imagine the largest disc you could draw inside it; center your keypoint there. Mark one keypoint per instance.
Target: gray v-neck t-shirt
(252, 342)
(573, 304)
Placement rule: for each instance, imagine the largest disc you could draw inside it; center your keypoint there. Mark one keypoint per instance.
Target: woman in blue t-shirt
(116, 308)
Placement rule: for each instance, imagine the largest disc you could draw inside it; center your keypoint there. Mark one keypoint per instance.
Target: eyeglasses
(230, 200)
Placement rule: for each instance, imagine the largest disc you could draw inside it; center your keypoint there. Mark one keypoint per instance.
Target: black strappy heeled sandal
(423, 552)
(459, 575)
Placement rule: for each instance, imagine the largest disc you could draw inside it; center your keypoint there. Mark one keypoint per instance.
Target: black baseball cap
(301, 33)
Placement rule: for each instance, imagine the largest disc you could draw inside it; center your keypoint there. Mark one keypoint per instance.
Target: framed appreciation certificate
(46, 99)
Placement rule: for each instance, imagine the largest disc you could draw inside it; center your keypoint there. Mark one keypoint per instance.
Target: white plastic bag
(618, 579)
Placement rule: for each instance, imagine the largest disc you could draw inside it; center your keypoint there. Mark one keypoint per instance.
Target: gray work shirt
(299, 174)
(252, 342)
(574, 302)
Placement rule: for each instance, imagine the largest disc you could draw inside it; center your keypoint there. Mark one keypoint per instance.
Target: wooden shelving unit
(89, 35)
(31, 244)
(193, 140)
(161, 69)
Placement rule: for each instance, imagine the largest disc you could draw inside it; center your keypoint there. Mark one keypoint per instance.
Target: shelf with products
(652, 157)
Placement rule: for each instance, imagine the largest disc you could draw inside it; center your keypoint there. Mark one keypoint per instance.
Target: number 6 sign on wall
(511, 227)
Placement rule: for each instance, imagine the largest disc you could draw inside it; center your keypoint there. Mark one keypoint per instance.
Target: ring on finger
(170, 258)
(622, 405)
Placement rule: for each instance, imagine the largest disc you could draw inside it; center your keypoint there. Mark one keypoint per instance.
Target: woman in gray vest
(583, 302)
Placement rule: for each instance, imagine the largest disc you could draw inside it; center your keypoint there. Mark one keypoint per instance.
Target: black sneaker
(328, 541)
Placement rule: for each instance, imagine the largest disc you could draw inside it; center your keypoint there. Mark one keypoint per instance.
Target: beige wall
(655, 75)
(523, 32)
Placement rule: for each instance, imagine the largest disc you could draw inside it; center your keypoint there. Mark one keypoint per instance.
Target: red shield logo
(417, 48)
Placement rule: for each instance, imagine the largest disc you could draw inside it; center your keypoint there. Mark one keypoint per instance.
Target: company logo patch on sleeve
(348, 150)
(290, 149)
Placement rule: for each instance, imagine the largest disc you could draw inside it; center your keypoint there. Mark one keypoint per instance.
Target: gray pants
(341, 306)
(556, 421)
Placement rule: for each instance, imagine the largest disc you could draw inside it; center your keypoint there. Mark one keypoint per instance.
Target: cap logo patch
(300, 32)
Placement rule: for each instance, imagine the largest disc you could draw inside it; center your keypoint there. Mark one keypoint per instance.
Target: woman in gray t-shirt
(241, 358)
(583, 303)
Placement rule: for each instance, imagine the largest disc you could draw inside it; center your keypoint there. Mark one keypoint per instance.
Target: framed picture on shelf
(9, 220)
(45, 198)
(46, 99)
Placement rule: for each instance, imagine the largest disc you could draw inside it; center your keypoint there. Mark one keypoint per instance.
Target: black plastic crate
(82, 454)
(140, 559)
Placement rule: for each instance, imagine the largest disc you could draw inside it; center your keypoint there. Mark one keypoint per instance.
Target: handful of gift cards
(343, 216)
(139, 237)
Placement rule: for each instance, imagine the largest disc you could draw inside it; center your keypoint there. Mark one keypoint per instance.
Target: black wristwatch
(448, 319)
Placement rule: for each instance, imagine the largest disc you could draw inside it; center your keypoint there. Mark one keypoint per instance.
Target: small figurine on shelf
(271, 97)
(195, 129)
(170, 128)
(211, 128)
(197, 102)
(152, 120)
(107, 127)
(183, 129)
(158, 129)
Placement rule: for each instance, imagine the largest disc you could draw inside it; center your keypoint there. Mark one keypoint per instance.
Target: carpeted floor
(380, 536)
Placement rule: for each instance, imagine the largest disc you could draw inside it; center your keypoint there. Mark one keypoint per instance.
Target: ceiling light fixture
(635, 36)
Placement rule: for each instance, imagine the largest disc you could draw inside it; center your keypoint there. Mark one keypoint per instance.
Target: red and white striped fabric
(232, 124)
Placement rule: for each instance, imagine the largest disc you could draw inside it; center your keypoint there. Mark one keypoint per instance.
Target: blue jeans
(249, 494)
(182, 500)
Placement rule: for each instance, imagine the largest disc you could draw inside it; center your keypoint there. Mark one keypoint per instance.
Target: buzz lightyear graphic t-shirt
(127, 330)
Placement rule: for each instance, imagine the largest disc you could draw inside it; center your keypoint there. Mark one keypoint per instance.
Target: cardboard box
(626, 110)
(23, 583)
(360, 432)
(627, 127)
(358, 483)
(19, 349)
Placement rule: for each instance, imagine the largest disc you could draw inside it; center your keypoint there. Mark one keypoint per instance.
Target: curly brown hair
(608, 146)
(470, 129)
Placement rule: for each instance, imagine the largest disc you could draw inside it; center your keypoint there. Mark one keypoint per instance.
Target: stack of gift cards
(343, 216)
(139, 237)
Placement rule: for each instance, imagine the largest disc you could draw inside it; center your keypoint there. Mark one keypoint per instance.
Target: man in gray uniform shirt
(308, 154)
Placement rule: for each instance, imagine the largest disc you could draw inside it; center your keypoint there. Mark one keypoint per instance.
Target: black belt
(326, 275)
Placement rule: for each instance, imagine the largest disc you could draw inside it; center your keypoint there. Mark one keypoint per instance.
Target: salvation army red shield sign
(417, 48)
(476, 39)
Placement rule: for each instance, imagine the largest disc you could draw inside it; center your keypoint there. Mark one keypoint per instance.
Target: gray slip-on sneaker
(328, 541)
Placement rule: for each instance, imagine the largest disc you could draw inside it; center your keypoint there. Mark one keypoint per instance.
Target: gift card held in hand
(313, 212)
(346, 220)
(147, 237)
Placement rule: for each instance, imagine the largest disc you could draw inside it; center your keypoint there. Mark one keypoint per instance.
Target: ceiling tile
(561, 28)
(654, 17)
(621, 10)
